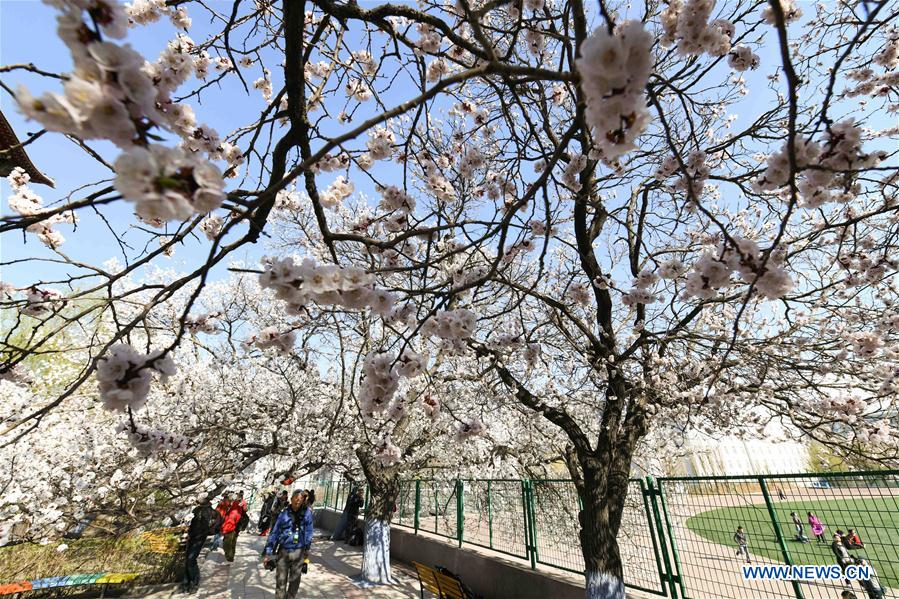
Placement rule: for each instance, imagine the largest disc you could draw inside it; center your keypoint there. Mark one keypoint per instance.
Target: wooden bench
(440, 585)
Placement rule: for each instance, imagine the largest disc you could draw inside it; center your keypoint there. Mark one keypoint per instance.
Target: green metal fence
(677, 533)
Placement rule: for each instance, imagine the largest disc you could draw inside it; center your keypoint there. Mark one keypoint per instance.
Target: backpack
(243, 522)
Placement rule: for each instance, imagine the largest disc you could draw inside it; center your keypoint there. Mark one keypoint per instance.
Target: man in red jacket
(229, 528)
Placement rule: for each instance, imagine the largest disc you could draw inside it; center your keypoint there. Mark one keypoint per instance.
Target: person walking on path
(742, 542)
(289, 541)
(201, 525)
(229, 529)
(265, 513)
(278, 506)
(222, 510)
(817, 527)
(244, 521)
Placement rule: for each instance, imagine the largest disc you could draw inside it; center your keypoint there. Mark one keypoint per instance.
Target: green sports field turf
(875, 519)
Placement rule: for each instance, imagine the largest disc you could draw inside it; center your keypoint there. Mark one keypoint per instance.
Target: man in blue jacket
(289, 541)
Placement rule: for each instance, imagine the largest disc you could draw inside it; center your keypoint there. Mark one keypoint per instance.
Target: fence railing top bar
(753, 477)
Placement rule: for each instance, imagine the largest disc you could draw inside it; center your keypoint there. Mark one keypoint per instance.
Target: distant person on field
(800, 528)
(817, 527)
(781, 495)
(852, 540)
(871, 586)
(742, 542)
(842, 554)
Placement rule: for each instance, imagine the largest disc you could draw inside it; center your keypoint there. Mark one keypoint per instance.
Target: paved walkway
(333, 573)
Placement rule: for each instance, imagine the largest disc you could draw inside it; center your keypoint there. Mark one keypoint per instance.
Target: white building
(730, 455)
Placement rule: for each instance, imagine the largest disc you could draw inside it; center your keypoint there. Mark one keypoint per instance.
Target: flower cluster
(410, 363)
(212, 226)
(450, 324)
(149, 440)
(866, 344)
(202, 323)
(328, 284)
(742, 58)
(580, 293)
(386, 452)
(692, 183)
(614, 70)
(337, 192)
(272, 338)
(686, 23)
(880, 434)
(437, 69)
(571, 175)
(25, 202)
(640, 293)
(712, 272)
(42, 302)
(380, 382)
(889, 56)
(790, 11)
(124, 376)
(470, 428)
(167, 183)
(380, 143)
(431, 405)
(144, 12)
(828, 172)
(429, 40)
(395, 199)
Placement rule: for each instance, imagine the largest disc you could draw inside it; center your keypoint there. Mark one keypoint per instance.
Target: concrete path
(333, 573)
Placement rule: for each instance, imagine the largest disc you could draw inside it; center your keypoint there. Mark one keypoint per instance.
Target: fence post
(490, 514)
(778, 534)
(460, 511)
(674, 554)
(668, 576)
(530, 526)
(417, 517)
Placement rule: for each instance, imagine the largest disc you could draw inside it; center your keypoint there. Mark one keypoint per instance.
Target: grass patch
(876, 519)
(154, 556)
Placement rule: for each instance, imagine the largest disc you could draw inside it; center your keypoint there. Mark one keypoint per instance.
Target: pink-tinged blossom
(614, 70)
(124, 376)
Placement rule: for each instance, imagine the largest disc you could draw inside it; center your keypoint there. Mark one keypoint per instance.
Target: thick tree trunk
(376, 552)
(603, 486)
(599, 545)
(383, 487)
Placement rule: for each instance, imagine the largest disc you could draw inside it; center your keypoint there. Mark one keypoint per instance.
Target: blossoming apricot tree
(574, 202)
